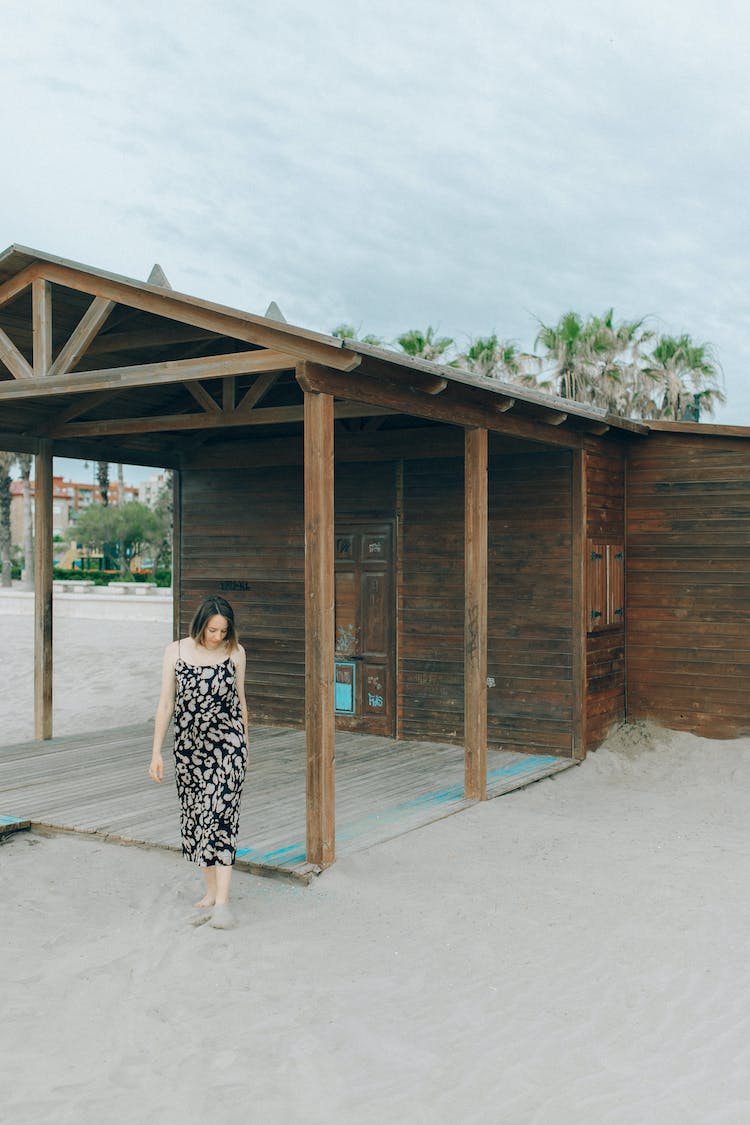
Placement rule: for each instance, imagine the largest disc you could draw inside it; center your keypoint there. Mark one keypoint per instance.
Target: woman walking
(203, 685)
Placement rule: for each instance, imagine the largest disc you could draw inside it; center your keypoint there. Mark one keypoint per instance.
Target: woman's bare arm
(239, 659)
(164, 712)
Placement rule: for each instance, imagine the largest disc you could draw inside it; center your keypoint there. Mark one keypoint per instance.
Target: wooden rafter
(457, 411)
(82, 336)
(203, 398)
(17, 284)
(161, 336)
(434, 386)
(504, 404)
(220, 419)
(147, 374)
(81, 406)
(13, 360)
(259, 389)
(190, 310)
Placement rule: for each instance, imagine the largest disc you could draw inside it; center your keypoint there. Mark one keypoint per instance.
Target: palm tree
(424, 345)
(567, 354)
(599, 361)
(6, 464)
(102, 476)
(349, 332)
(686, 376)
(495, 359)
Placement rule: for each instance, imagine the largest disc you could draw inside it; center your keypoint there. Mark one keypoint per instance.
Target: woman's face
(215, 632)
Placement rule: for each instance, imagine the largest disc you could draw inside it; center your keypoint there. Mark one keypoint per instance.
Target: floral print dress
(210, 753)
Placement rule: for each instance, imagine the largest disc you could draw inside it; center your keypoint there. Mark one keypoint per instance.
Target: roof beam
(170, 332)
(144, 375)
(214, 318)
(17, 284)
(222, 419)
(451, 409)
(82, 336)
(82, 406)
(504, 404)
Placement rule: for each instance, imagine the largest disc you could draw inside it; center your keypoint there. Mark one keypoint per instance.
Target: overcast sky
(474, 166)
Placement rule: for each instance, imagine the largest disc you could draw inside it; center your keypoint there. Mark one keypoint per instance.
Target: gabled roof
(129, 369)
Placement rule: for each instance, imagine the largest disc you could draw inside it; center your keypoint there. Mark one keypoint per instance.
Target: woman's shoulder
(237, 653)
(172, 651)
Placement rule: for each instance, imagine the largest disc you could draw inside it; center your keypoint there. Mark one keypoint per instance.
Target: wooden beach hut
(414, 552)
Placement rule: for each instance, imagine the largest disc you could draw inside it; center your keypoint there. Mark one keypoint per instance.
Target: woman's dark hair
(208, 608)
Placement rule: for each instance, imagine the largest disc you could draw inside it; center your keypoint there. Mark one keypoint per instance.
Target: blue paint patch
(454, 793)
(528, 765)
(13, 820)
(293, 853)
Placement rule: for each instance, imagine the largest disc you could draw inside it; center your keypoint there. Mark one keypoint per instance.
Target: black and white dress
(209, 751)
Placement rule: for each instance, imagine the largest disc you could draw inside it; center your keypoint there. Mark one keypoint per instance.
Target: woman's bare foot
(207, 900)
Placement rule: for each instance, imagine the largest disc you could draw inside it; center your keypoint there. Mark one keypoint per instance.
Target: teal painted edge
(295, 853)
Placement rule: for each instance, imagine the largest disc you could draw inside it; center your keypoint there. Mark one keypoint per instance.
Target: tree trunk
(102, 476)
(5, 521)
(24, 461)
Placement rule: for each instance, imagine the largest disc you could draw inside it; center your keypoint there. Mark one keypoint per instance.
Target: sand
(572, 953)
(106, 673)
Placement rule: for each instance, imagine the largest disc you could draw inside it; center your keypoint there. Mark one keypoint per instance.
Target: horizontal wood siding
(530, 602)
(245, 527)
(430, 599)
(530, 644)
(688, 583)
(605, 650)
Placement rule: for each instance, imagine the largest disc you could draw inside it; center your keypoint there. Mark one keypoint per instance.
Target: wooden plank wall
(430, 601)
(243, 537)
(530, 602)
(688, 581)
(605, 649)
(530, 651)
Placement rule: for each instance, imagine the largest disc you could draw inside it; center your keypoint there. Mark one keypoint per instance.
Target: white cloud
(468, 166)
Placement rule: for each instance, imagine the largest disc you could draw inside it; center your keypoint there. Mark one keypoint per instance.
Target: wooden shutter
(606, 585)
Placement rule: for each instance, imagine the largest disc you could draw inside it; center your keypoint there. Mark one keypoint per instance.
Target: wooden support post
(43, 591)
(475, 621)
(176, 553)
(319, 629)
(41, 299)
(579, 624)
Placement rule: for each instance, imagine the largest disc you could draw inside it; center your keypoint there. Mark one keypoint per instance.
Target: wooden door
(364, 658)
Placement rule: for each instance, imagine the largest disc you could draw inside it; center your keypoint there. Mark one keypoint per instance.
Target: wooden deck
(97, 784)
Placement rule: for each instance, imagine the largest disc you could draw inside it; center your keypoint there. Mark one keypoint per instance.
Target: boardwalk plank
(97, 784)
